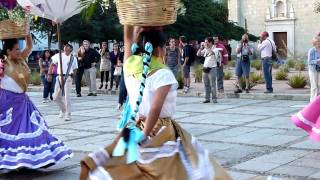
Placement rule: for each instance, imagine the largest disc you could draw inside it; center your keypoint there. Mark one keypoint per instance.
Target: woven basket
(147, 12)
(11, 30)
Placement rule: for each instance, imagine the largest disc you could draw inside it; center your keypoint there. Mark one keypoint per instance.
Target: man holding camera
(244, 50)
(211, 55)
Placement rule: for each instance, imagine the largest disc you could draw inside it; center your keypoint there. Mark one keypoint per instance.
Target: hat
(68, 44)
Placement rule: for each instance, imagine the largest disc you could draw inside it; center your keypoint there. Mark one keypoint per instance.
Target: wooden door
(280, 38)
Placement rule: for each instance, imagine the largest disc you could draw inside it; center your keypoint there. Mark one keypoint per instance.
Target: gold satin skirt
(162, 168)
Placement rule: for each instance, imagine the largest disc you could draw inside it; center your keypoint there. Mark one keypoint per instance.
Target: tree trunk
(49, 41)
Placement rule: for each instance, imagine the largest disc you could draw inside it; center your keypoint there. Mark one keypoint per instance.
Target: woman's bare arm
(128, 40)
(27, 50)
(156, 108)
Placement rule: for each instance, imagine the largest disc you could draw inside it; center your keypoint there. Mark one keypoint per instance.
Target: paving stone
(238, 152)
(295, 170)
(203, 108)
(267, 111)
(183, 115)
(274, 122)
(283, 103)
(220, 118)
(53, 120)
(246, 102)
(306, 162)
(217, 147)
(256, 166)
(247, 130)
(281, 157)
(307, 144)
(241, 176)
(99, 113)
(275, 140)
(255, 136)
(225, 134)
(313, 155)
(197, 129)
(316, 175)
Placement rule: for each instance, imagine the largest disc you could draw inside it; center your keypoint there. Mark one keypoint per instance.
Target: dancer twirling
(165, 150)
(25, 141)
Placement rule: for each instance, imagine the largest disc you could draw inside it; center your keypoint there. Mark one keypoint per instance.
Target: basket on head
(10, 29)
(147, 12)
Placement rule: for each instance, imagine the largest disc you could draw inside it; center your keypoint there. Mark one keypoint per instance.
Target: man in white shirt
(69, 67)
(210, 53)
(266, 47)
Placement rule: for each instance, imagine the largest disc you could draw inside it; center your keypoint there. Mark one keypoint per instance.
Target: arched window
(280, 9)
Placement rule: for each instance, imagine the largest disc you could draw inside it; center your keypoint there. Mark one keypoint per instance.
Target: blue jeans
(173, 69)
(220, 76)
(267, 71)
(52, 85)
(48, 87)
(242, 68)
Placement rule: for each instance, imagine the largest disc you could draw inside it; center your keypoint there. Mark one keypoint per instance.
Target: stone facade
(295, 19)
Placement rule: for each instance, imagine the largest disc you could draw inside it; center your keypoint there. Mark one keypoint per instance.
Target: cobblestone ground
(249, 137)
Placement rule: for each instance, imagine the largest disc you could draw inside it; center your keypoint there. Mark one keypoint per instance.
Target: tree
(101, 26)
(205, 18)
(45, 27)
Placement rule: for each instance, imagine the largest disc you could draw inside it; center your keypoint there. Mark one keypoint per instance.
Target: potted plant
(13, 23)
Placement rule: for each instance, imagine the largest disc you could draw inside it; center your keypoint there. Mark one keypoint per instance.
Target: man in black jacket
(88, 58)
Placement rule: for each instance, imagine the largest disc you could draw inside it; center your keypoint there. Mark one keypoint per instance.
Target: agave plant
(297, 81)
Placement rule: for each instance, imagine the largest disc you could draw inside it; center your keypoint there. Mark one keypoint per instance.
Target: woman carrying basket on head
(154, 146)
(25, 141)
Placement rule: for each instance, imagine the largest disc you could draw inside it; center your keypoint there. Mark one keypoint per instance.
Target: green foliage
(180, 79)
(198, 72)
(83, 81)
(210, 17)
(17, 14)
(227, 75)
(285, 68)
(256, 64)
(45, 29)
(232, 63)
(35, 78)
(242, 84)
(291, 63)
(256, 78)
(101, 27)
(98, 75)
(300, 66)
(297, 81)
(281, 75)
(276, 65)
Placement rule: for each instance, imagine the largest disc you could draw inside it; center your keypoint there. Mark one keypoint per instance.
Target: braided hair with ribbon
(132, 136)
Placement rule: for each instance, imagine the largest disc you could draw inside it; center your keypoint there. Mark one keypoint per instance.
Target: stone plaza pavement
(248, 137)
